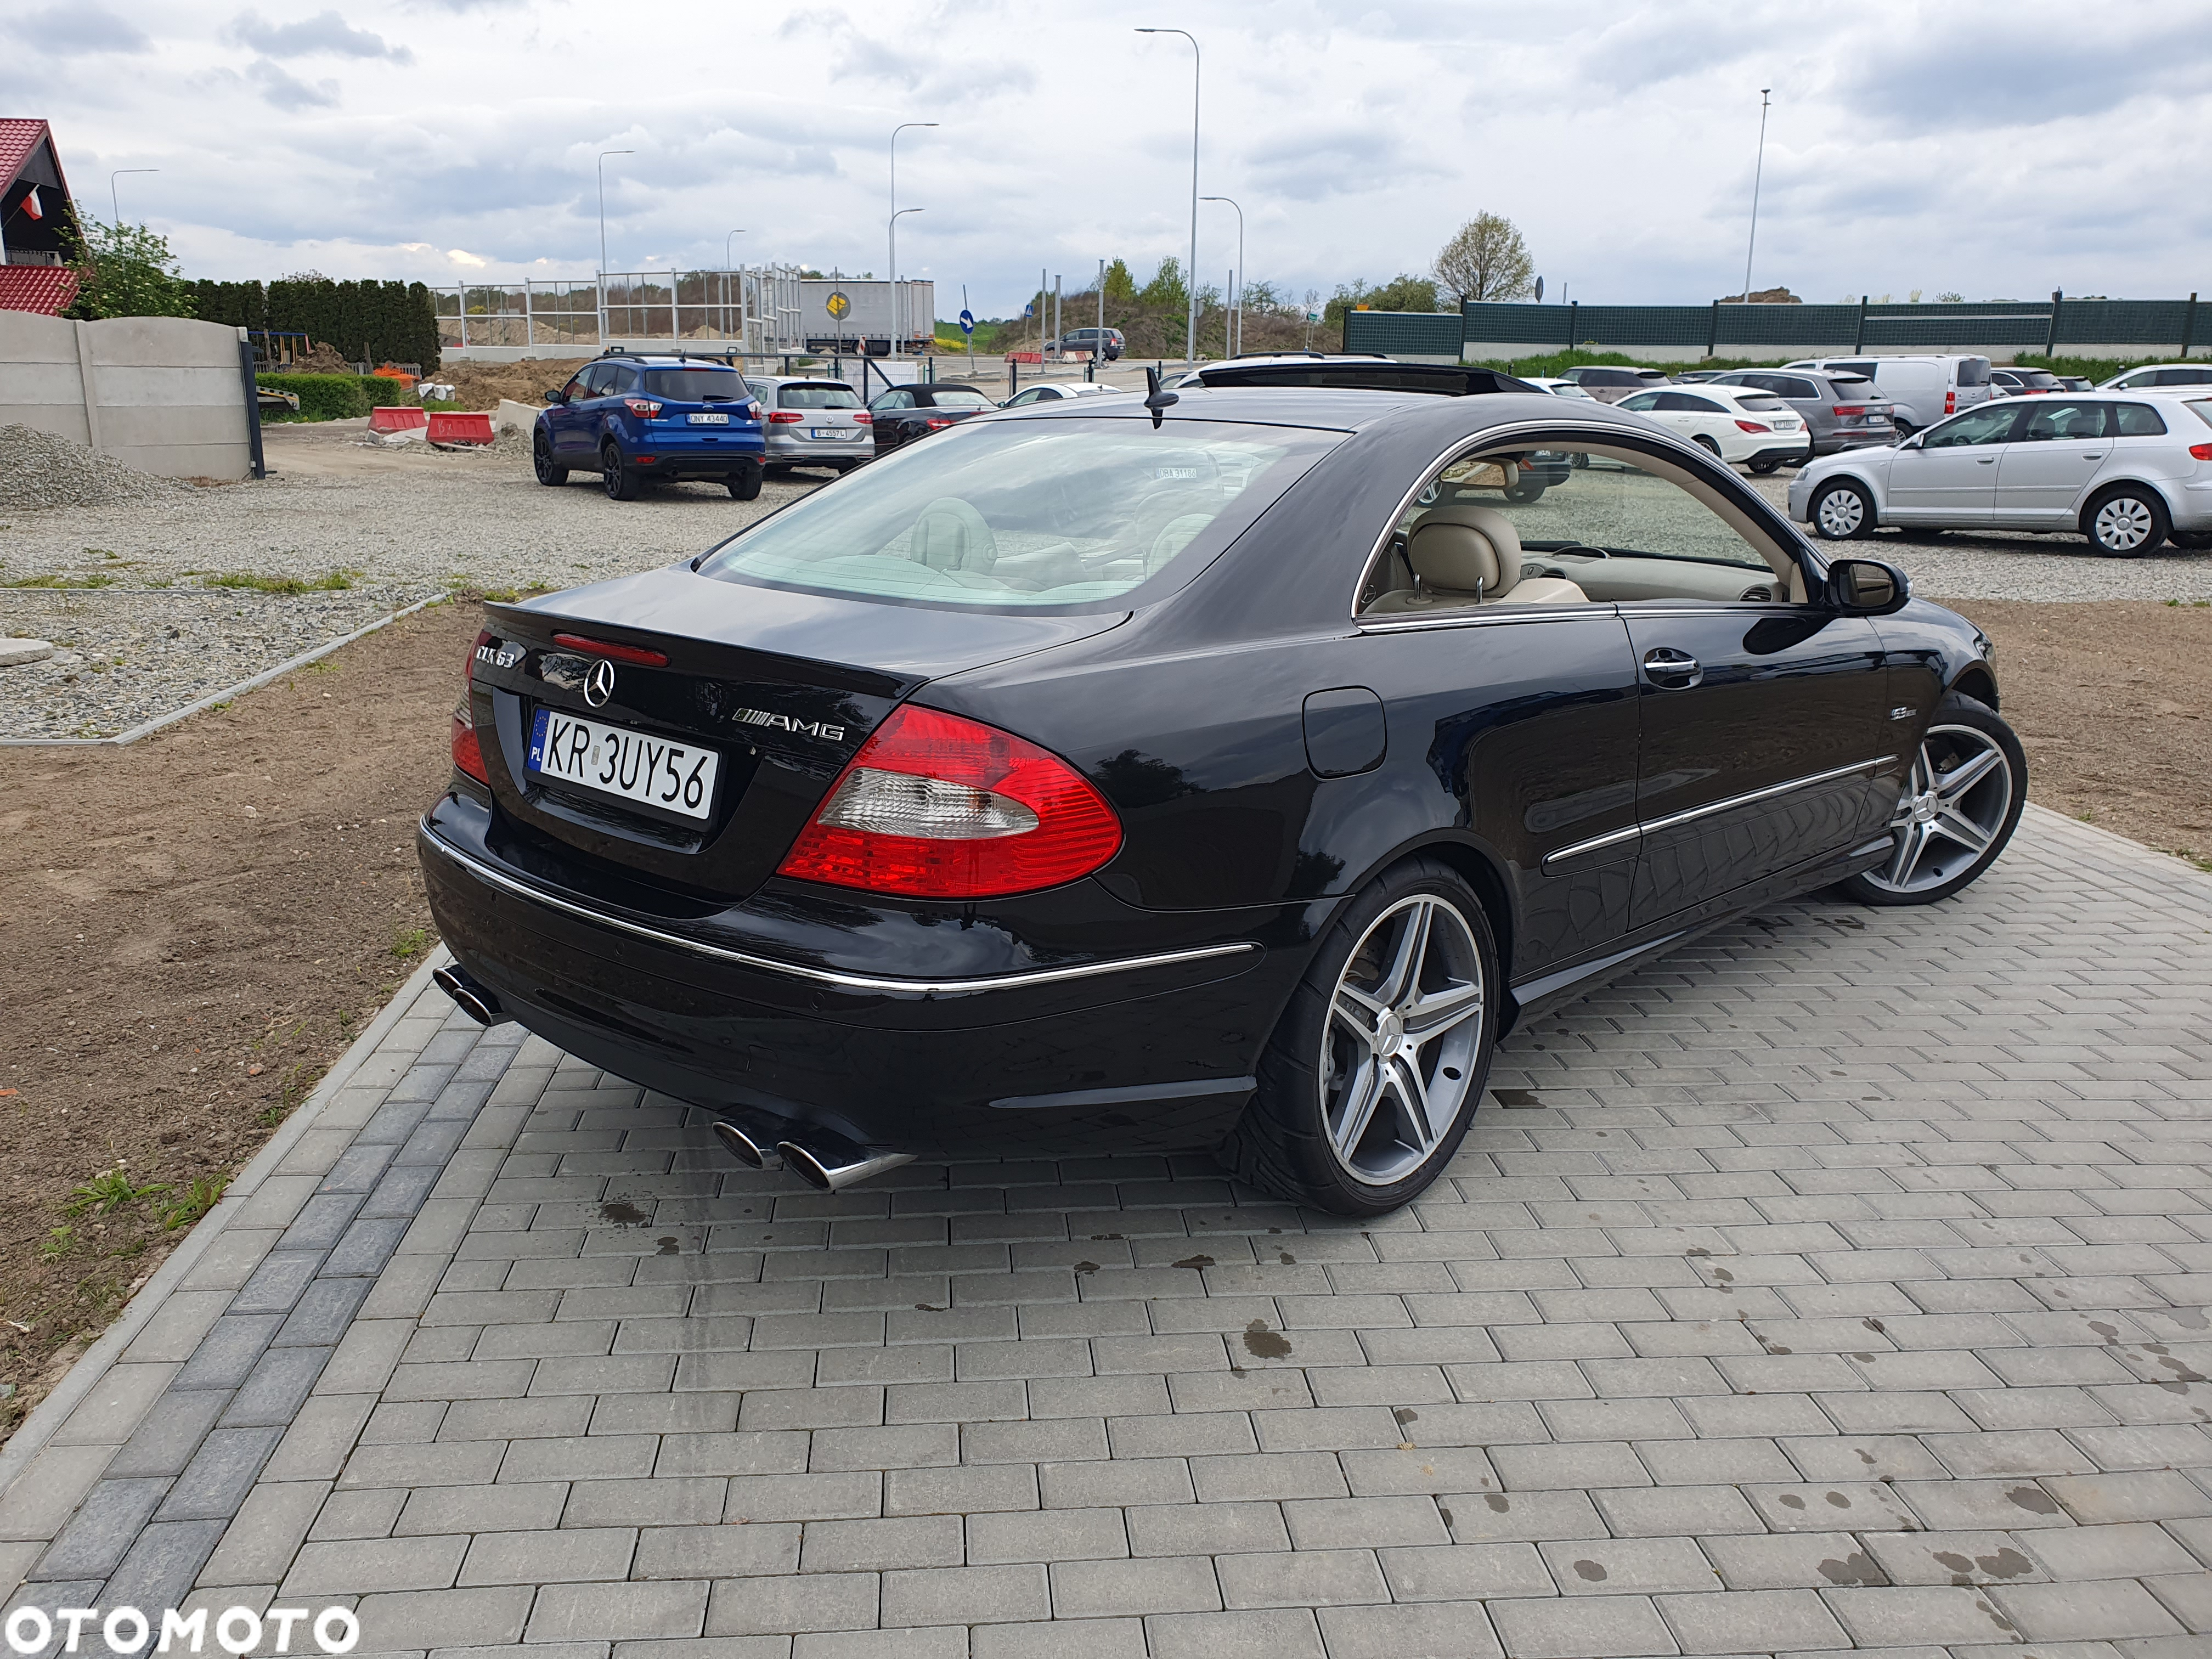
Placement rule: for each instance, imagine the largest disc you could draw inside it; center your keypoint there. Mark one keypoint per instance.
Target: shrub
(382, 392)
(322, 396)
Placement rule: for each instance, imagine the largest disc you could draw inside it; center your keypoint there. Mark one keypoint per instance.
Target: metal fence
(752, 309)
(2023, 325)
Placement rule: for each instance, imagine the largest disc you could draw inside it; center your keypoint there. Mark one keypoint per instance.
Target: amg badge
(821, 729)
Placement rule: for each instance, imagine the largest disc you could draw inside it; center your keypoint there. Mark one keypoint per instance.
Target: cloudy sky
(1996, 148)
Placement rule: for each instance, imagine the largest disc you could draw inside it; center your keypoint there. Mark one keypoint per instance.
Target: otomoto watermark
(233, 1630)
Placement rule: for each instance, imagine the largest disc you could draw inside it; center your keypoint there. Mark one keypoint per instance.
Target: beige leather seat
(1464, 556)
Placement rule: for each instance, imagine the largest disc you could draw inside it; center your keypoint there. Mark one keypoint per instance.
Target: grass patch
(333, 581)
(97, 578)
(195, 1202)
(409, 943)
(107, 1192)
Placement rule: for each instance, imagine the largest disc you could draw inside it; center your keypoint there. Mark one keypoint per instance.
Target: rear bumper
(1145, 1049)
(1835, 443)
(1799, 450)
(787, 448)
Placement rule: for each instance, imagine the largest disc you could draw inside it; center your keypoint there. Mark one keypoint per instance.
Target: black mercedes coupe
(1222, 771)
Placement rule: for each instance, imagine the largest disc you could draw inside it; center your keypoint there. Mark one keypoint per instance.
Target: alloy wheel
(1955, 805)
(1404, 1033)
(1839, 513)
(2122, 525)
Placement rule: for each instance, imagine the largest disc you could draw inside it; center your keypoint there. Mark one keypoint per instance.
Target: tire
(619, 482)
(1903, 428)
(1525, 490)
(2126, 521)
(746, 485)
(1841, 512)
(1710, 447)
(1763, 468)
(542, 463)
(1948, 832)
(1318, 1068)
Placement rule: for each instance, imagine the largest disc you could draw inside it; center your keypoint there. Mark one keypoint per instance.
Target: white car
(2159, 376)
(1557, 388)
(1738, 424)
(1052, 391)
(2125, 472)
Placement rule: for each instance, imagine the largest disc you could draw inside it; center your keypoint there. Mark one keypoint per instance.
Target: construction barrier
(398, 417)
(460, 426)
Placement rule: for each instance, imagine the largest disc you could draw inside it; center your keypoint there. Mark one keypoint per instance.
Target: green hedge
(338, 397)
(390, 322)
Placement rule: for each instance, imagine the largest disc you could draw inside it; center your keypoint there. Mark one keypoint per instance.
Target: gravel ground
(131, 653)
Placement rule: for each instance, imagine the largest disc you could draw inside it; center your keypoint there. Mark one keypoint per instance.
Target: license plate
(631, 766)
(834, 432)
(708, 420)
(1786, 426)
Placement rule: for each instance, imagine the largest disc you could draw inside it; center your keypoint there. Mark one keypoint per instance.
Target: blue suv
(634, 418)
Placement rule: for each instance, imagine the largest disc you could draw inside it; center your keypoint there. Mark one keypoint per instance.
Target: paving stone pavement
(1839, 1283)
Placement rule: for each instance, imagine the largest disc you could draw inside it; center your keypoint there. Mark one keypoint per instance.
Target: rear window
(2034, 377)
(1023, 515)
(818, 396)
(1865, 371)
(1852, 385)
(961, 397)
(696, 385)
(1765, 406)
(1973, 371)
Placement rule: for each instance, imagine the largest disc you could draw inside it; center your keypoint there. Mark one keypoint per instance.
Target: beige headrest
(1465, 548)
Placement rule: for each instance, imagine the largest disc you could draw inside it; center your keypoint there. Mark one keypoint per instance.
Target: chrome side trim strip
(859, 983)
(1142, 1091)
(1674, 820)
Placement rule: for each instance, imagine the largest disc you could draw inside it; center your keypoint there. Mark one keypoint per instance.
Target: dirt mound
(481, 385)
(39, 469)
(324, 359)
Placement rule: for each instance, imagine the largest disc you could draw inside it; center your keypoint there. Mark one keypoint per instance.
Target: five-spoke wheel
(1960, 801)
(1373, 1071)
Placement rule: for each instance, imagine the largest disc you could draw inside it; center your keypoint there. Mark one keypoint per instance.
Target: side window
(1991, 423)
(1787, 386)
(2136, 420)
(1589, 524)
(1032, 395)
(578, 386)
(898, 399)
(1681, 402)
(2057, 420)
(1642, 402)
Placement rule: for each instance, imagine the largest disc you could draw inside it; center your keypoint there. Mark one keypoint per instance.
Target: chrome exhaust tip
(741, 1145)
(832, 1171)
(472, 999)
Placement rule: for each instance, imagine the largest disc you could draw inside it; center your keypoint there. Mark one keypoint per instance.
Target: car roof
(1338, 409)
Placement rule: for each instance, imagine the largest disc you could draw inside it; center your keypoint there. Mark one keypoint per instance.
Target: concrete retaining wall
(163, 394)
(1480, 351)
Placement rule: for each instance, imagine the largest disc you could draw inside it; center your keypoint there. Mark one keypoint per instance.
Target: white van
(1924, 388)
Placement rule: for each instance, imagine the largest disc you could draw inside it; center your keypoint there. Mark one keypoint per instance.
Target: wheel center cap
(1924, 808)
(1389, 1032)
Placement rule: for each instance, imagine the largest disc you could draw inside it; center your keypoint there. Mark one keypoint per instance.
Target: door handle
(1985, 460)
(2099, 456)
(1672, 670)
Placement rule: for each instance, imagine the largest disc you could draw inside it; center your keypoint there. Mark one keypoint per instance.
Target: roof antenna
(1155, 399)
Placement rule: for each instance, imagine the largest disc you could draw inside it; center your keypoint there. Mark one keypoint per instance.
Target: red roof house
(34, 208)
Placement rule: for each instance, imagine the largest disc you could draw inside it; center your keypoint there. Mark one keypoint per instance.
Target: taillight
(937, 420)
(644, 406)
(1752, 426)
(937, 806)
(864, 418)
(2202, 451)
(1950, 402)
(1845, 412)
(636, 653)
(468, 753)
(787, 418)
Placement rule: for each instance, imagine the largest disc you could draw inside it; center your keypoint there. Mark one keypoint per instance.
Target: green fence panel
(1516, 325)
(1403, 333)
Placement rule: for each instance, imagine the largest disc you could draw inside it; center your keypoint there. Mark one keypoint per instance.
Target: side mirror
(557, 395)
(1867, 587)
(1912, 442)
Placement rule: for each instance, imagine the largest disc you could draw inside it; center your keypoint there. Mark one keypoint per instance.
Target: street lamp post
(1190, 276)
(896, 217)
(891, 270)
(117, 201)
(602, 241)
(1757, 170)
(1238, 345)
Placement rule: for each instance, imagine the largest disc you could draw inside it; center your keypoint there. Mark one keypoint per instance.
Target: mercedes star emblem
(599, 684)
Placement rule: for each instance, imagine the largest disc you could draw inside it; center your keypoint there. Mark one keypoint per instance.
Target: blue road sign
(967, 321)
(1028, 311)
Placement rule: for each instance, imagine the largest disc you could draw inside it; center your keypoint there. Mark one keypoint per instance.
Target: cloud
(325, 32)
(72, 31)
(285, 92)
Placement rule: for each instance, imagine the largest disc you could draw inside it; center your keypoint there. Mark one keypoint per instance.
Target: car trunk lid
(781, 687)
